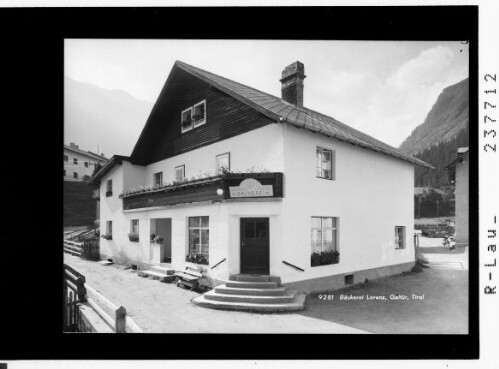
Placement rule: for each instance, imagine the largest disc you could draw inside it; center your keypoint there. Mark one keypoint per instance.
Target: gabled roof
(86, 153)
(115, 160)
(284, 112)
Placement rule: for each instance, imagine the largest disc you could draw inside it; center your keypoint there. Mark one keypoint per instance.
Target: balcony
(231, 186)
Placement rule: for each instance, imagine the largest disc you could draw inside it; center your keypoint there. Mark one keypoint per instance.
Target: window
(66, 158)
(324, 241)
(223, 162)
(75, 175)
(199, 236)
(179, 173)
(186, 120)
(399, 237)
(75, 161)
(109, 228)
(158, 179)
(109, 188)
(64, 172)
(193, 116)
(86, 164)
(134, 226)
(199, 113)
(324, 163)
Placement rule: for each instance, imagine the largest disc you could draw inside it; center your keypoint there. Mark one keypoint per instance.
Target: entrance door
(255, 245)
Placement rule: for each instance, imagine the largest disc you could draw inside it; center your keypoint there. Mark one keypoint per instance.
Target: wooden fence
(74, 293)
(77, 292)
(73, 248)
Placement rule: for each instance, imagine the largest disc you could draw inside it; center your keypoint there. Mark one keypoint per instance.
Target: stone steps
(260, 285)
(256, 299)
(158, 272)
(252, 293)
(279, 291)
(297, 305)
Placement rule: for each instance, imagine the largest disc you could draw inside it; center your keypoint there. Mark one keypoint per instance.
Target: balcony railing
(232, 186)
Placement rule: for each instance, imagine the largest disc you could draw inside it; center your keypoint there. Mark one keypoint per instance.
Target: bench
(189, 277)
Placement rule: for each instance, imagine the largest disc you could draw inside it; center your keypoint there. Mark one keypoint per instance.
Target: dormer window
(186, 120)
(199, 113)
(193, 116)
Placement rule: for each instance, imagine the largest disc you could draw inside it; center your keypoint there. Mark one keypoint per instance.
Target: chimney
(72, 144)
(292, 83)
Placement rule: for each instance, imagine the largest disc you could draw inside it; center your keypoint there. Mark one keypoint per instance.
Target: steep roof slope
(282, 111)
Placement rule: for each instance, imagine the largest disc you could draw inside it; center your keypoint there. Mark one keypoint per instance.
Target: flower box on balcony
(197, 259)
(133, 237)
(107, 236)
(109, 193)
(325, 258)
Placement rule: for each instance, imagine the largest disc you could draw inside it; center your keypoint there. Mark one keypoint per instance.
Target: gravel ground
(165, 308)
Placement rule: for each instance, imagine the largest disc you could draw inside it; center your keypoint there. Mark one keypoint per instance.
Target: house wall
(262, 147)
(371, 194)
(80, 167)
(462, 201)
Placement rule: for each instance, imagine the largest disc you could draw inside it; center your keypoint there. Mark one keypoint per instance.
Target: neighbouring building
(80, 207)
(458, 172)
(243, 182)
(79, 165)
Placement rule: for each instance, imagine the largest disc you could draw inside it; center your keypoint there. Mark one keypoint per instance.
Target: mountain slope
(446, 118)
(112, 119)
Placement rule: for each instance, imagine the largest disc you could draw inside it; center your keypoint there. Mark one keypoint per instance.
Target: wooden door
(255, 245)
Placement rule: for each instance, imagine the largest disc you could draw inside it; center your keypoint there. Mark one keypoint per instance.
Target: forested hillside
(439, 155)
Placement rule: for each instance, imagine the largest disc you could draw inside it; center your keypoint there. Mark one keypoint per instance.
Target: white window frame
(86, 164)
(399, 243)
(199, 246)
(75, 175)
(335, 229)
(154, 179)
(202, 121)
(183, 173)
(333, 163)
(132, 226)
(109, 186)
(181, 121)
(75, 161)
(226, 154)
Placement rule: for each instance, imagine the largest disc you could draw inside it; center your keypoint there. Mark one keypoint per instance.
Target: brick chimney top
(72, 144)
(292, 83)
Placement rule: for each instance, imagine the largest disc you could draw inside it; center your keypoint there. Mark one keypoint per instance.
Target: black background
(32, 55)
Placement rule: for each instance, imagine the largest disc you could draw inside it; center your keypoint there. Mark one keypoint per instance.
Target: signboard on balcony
(251, 187)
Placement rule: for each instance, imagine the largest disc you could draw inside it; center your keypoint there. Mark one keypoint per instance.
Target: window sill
(183, 130)
(313, 266)
(329, 179)
(200, 123)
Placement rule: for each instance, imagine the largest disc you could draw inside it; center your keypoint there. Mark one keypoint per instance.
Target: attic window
(199, 113)
(186, 120)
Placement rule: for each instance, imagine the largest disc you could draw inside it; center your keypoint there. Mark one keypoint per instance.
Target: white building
(303, 196)
(80, 164)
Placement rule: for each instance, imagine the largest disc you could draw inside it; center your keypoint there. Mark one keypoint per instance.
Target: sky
(382, 88)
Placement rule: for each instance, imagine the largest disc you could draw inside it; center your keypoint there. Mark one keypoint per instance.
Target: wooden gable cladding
(225, 117)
